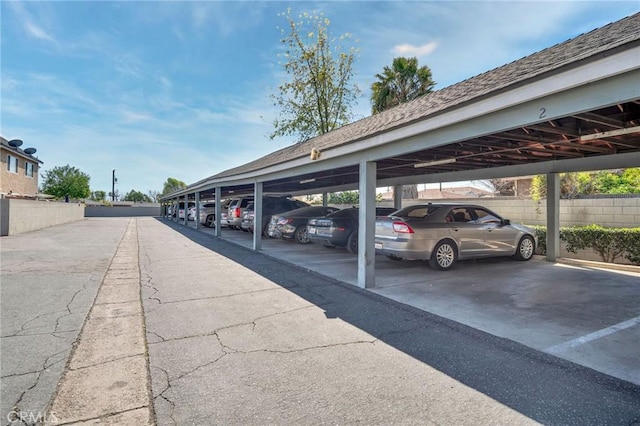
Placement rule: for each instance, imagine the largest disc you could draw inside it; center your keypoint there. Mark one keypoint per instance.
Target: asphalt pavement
(237, 337)
(48, 283)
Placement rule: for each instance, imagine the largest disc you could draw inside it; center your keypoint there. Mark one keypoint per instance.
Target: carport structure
(572, 107)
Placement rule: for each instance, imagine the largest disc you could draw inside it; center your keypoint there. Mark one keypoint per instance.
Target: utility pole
(113, 185)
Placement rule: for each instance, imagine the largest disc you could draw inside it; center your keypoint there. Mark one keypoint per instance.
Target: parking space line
(562, 347)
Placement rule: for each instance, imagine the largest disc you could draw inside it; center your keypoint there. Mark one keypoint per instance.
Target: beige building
(19, 170)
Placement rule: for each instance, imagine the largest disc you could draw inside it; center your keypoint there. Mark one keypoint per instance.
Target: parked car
(208, 213)
(293, 224)
(340, 228)
(446, 233)
(192, 213)
(270, 206)
(181, 209)
(235, 210)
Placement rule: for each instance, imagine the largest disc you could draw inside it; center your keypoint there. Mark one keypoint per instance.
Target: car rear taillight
(236, 212)
(402, 228)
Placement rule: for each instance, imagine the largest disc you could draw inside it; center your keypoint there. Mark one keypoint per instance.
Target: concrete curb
(601, 265)
(107, 378)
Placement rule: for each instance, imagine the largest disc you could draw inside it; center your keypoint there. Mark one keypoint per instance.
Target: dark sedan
(293, 224)
(270, 206)
(340, 228)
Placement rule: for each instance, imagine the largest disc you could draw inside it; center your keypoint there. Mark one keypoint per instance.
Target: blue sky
(181, 89)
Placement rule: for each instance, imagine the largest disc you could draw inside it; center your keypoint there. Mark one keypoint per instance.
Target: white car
(208, 213)
(181, 209)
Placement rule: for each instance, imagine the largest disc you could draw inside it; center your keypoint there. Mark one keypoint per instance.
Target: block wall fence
(19, 216)
(607, 212)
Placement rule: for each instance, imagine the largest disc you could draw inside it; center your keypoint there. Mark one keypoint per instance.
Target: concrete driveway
(141, 321)
(584, 314)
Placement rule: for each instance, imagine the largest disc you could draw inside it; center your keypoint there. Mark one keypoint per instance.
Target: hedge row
(609, 243)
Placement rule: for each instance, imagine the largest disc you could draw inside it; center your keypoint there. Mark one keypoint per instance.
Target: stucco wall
(122, 211)
(19, 216)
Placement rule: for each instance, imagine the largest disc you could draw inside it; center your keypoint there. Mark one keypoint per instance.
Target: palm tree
(402, 82)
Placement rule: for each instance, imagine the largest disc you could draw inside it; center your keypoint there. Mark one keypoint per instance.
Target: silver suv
(208, 213)
(235, 210)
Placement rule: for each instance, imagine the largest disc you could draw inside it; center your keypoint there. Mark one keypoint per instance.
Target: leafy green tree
(137, 197)
(66, 181)
(318, 94)
(172, 184)
(404, 81)
(571, 185)
(98, 195)
(583, 183)
(622, 182)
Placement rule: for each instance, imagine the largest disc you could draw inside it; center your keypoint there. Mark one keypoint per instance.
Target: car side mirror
(505, 222)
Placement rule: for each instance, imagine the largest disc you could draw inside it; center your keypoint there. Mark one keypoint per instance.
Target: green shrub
(609, 243)
(540, 232)
(632, 245)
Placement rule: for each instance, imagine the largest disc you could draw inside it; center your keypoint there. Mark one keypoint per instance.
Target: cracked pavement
(49, 280)
(238, 337)
(229, 346)
(107, 374)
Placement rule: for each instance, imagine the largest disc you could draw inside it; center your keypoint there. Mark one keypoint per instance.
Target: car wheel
(444, 255)
(526, 248)
(301, 235)
(209, 222)
(352, 243)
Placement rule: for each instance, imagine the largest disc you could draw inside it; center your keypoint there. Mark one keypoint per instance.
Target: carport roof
(575, 52)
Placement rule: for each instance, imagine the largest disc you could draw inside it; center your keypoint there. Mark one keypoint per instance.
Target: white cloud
(134, 117)
(37, 32)
(29, 23)
(128, 64)
(411, 50)
(165, 83)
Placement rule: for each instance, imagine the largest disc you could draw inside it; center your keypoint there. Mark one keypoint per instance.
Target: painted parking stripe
(562, 347)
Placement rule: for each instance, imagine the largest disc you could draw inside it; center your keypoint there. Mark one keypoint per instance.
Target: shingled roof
(516, 73)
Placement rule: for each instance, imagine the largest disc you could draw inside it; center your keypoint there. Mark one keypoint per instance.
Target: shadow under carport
(543, 387)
